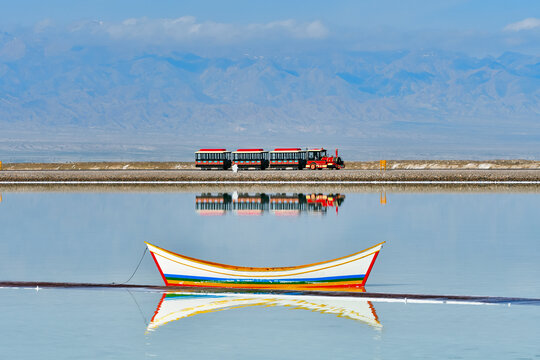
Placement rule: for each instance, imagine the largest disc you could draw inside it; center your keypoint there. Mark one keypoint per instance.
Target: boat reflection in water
(178, 305)
(260, 203)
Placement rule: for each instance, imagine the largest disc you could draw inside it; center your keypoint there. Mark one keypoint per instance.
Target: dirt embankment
(351, 165)
(446, 165)
(461, 171)
(304, 176)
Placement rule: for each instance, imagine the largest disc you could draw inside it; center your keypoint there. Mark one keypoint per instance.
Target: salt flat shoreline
(517, 164)
(187, 176)
(398, 171)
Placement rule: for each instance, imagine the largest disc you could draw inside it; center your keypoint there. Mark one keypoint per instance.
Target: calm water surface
(436, 243)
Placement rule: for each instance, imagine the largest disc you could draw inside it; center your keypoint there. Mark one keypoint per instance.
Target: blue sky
(407, 15)
(452, 14)
(476, 27)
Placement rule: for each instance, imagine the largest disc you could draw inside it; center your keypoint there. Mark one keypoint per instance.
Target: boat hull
(343, 273)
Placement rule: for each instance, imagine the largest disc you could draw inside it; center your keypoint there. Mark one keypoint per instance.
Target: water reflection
(383, 198)
(280, 204)
(178, 305)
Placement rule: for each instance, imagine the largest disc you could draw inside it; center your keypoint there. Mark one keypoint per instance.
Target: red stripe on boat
(159, 268)
(369, 269)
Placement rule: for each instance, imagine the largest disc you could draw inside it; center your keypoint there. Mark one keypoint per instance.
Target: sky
(387, 59)
(483, 27)
(407, 15)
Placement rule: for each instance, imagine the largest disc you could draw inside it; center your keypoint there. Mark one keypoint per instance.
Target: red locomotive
(318, 159)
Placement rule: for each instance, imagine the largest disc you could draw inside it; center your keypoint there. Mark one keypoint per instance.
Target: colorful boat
(345, 273)
(176, 305)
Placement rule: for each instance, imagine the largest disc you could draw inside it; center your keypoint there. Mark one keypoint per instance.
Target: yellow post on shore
(383, 164)
(0, 165)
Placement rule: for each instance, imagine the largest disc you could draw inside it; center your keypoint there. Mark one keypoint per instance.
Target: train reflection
(260, 203)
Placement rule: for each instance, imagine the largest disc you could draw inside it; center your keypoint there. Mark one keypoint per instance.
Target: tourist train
(279, 158)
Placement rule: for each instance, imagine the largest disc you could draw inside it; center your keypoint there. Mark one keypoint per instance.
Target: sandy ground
(397, 171)
(351, 165)
(324, 176)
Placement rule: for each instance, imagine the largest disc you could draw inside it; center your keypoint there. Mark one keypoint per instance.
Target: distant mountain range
(399, 103)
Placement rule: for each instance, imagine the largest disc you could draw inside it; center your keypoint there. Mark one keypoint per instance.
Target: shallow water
(436, 243)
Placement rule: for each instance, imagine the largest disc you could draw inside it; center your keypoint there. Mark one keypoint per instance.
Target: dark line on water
(203, 290)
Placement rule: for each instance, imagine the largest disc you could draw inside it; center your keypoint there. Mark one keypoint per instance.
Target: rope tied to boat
(137, 268)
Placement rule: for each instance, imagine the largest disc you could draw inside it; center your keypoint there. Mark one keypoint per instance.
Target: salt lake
(446, 241)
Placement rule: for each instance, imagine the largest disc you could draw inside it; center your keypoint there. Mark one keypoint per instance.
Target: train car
(250, 158)
(208, 159)
(283, 158)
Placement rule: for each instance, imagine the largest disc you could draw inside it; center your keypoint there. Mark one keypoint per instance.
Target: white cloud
(43, 25)
(187, 28)
(316, 30)
(526, 24)
(312, 30)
